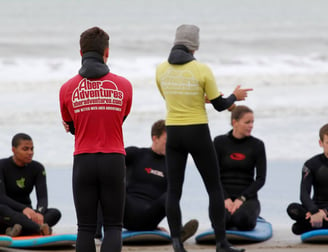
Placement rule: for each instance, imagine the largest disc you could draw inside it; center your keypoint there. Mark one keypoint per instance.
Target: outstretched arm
(238, 94)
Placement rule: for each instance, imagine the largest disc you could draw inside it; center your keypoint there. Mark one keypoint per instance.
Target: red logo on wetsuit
(155, 172)
(237, 156)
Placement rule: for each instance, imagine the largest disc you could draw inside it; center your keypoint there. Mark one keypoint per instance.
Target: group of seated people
(242, 162)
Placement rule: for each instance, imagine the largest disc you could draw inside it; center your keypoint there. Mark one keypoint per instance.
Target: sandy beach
(282, 241)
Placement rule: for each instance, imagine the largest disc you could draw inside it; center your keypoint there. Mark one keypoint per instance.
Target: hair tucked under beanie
(187, 35)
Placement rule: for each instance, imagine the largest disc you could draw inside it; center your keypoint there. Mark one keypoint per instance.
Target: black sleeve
(4, 199)
(221, 103)
(41, 190)
(306, 185)
(261, 168)
(132, 153)
(71, 127)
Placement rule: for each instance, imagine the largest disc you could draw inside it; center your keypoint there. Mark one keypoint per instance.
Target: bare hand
(66, 126)
(307, 215)
(317, 219)
(228, 204)
(30, 213)
(241, 93)
(236, 204)
(38, 218)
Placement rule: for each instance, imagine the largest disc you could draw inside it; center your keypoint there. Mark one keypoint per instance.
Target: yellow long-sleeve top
(184, 88)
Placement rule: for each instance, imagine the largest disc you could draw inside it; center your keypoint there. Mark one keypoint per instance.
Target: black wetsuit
(238, 161)
(101, 178)
(314, 176)
(145, 190)
(16, 185)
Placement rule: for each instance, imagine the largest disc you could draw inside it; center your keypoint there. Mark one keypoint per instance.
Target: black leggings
(297, 212)
(9, 217)
(99, 177)
(244, 218)
(196, 140)
(143, 214)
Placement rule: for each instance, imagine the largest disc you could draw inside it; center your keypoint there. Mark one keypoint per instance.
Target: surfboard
(145, 237)
(315, 236)
(43, 241)
(261, 232)
(5, 240)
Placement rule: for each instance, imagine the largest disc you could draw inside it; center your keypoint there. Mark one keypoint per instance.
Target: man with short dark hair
(19, 175)
(94, 104)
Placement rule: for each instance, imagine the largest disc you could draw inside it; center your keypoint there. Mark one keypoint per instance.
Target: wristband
(242, 198)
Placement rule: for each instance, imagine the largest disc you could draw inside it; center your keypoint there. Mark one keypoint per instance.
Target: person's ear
(233, 122)
(81, 53)
(106, 53)
(320, 143)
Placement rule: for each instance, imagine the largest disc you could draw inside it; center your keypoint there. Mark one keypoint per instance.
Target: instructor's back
(185, 83)
(94, 104)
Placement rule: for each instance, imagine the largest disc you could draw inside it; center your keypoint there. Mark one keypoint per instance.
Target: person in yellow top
(186, 85)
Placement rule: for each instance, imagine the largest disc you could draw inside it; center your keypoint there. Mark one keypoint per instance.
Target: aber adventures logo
(237, 156)
(90, 94)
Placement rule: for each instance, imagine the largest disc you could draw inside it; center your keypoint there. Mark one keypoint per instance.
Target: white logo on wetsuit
(90, 93)
(155, 172)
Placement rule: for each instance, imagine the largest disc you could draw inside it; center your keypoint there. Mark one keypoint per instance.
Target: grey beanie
(187, 35)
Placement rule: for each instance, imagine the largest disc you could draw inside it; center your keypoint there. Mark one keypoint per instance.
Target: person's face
(23, 153)
(243, 127)
(324, 145)
(159, 144)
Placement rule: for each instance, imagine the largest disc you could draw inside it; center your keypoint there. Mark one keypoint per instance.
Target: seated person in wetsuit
(12, 223)
(242, 162)
(312, 212)
(146, 186)
(19, 175)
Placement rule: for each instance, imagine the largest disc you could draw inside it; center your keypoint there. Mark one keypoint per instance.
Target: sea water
(278, 48)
